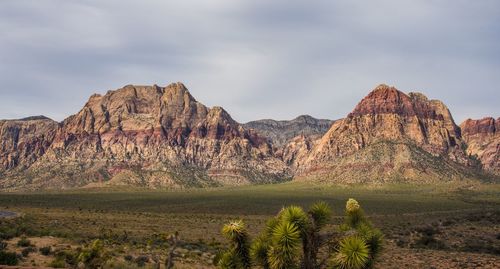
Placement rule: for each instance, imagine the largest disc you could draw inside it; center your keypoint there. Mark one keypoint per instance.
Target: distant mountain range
(159, 137)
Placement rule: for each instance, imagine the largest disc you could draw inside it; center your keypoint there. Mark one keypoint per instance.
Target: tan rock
(483, 141)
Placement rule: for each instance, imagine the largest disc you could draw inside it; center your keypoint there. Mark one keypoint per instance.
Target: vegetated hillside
(158, 137)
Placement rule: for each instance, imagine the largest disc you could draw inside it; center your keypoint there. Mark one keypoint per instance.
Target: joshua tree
(292, 240)
(238, 256)
(361, 242)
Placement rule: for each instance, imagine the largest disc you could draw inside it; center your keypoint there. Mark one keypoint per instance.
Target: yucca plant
(238, 256)
(361, 242)
(292, 230)
(353, 253)
(284, 248)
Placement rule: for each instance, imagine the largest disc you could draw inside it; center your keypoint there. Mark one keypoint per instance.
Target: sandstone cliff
(483, 142)
(152, 136)
(23, 141)
(390, 136)
(157, 137)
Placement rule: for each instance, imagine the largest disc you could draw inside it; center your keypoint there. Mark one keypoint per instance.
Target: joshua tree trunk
(310, 250)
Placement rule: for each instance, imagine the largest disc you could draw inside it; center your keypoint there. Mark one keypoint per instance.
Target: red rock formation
(402, 122)
(159, 136)
(483, 141)
(23, 141)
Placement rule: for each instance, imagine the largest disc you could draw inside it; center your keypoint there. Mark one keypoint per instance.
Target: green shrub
(57, 263)
(8, 258)
(45, 251)
(94, 256)
(141, 260)
(26, 251)
(69, 256)
(3, 245)
(24, 242)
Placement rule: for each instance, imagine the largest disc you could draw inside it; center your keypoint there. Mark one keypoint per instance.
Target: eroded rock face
(397, 125)
(483, 141)
(154, 136)
(24, 141)
(280, 133)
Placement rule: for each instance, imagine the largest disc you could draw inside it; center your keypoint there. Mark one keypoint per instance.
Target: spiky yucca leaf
(236, 232)
(228, 260)
(259, 251)
(285, 246)
(270, 225)
(372, 236)
(320, 213)
(353, 253)
(296, 215)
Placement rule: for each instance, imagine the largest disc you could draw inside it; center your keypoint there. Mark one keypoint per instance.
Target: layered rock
(24, 141)
(280, 133)
(154, 136)
(390, 135)
(483, 142)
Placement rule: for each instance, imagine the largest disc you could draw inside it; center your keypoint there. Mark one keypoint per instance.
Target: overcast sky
(257, 59)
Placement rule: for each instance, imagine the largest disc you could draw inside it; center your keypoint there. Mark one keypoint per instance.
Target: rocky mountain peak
(483, 141)
(484, 126)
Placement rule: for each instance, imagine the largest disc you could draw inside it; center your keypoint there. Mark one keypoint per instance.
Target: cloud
(257, 59)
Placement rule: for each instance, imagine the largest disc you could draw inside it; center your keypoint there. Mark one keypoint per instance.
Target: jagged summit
(388, 129)
(483, 141)
(156, 136)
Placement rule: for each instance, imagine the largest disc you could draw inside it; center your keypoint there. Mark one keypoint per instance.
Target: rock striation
(157, 137)
(24, 141)
(390, 136)
(153, 136)
(281, 132)
(483, 142)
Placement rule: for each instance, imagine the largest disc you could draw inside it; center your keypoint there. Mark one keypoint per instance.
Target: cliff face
(483, 142)
(389, 135)
(24, 141)
(281, 132)
(154, 136)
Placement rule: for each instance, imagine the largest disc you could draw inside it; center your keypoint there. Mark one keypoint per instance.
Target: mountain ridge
(160, 137)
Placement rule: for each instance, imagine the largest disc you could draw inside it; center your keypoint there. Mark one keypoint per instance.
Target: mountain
(390, 136)
(23, 141)
(281, 132)
(483, 142)
(149, 136)
(157, 137)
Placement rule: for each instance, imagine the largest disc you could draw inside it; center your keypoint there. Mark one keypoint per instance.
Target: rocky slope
(23, 141)
(155, 137)
(281, 132)
(152, 136)
(483, 142)
(390, 136)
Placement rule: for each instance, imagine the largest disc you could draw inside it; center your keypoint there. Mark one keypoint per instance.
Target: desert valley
(249, 134)
(139, 164)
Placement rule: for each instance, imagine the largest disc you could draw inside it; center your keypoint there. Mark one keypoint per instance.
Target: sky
(257, 58)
